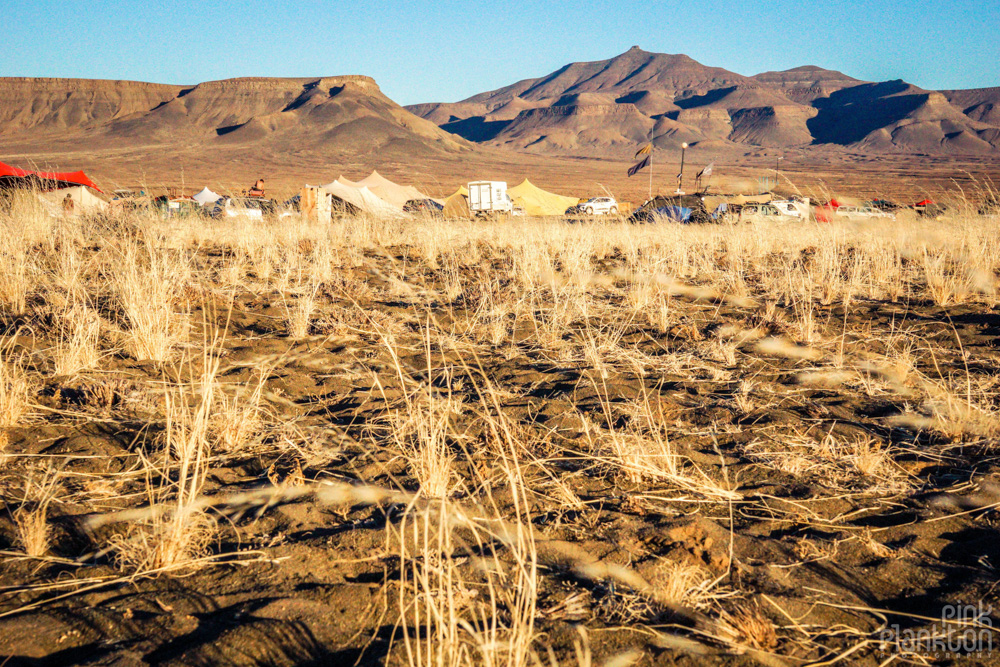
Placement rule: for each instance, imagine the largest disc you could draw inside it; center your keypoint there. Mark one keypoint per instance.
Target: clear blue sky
(444, 50)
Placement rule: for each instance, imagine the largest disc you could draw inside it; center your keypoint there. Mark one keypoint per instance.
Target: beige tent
(348, 182)
(395, 194)
(84, 201)
(457, 205)
(363, 199)
(536, 201)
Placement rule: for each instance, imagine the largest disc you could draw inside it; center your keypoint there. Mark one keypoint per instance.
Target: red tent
(926, 202)
(49, 180)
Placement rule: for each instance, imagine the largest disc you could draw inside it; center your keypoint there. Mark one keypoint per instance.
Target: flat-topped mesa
(62, 106)
(63, 83)
(360, 81)
(346, 115)
(57, 104)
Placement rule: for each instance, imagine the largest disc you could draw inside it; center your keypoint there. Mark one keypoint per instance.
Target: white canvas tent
(395, 194)
(206, 197)
(363, 199)
(84, 201)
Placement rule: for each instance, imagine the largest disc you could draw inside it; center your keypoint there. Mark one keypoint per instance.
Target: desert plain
(520, 441)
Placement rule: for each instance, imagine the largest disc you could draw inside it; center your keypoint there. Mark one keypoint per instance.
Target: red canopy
(926, 202)
(10, 174)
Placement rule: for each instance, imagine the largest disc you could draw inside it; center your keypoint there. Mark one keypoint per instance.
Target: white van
(489, 197)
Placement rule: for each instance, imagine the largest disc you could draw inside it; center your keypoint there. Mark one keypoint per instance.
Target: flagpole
(650, 163)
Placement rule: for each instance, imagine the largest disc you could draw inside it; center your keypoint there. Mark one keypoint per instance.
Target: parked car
(793, 208)
(766, 212)
(685, 209)
(428, 206)
(863, 213)
(254, 208)
(598, 206)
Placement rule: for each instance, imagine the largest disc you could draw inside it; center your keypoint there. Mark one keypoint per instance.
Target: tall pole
(680, 176)
(651, 163)
(777, 160)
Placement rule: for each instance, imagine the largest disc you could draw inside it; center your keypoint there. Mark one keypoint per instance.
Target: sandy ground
(782, 500)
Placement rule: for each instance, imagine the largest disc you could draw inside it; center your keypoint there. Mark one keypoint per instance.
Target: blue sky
(444, 50)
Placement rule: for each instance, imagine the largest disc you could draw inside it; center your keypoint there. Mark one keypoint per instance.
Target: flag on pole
(707, 171)
(645, 150)
(638, 166)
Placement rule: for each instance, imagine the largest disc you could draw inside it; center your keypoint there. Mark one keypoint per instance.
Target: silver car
(599, 206)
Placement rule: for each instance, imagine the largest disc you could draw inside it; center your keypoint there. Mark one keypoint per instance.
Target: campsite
(504, 345)
(296, 432)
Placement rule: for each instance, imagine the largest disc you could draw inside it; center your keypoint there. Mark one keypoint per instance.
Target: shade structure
(536, 201)
(206, 197)
(363, 199)
(46, 180)
(384, 189)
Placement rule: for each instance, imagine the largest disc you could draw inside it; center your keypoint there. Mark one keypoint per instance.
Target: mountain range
(339, 117)
(609, 107)
(295, 129)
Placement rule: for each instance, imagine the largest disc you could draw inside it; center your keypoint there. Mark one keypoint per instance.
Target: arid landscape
(513, 441)
(444, 442)
(572, 132)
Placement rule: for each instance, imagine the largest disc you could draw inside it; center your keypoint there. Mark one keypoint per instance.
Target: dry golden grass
(78, 344)
(497, 394)
(15, 390)
(147, 283)
(177, 531)
(31, 519)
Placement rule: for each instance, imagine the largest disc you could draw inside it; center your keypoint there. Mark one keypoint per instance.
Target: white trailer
(489, 197)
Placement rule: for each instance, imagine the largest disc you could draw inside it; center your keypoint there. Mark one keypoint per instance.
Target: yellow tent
(536, 201)
(457, 205)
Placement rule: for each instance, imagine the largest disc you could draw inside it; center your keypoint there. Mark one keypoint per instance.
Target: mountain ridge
(804, 107)
(344, 115)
